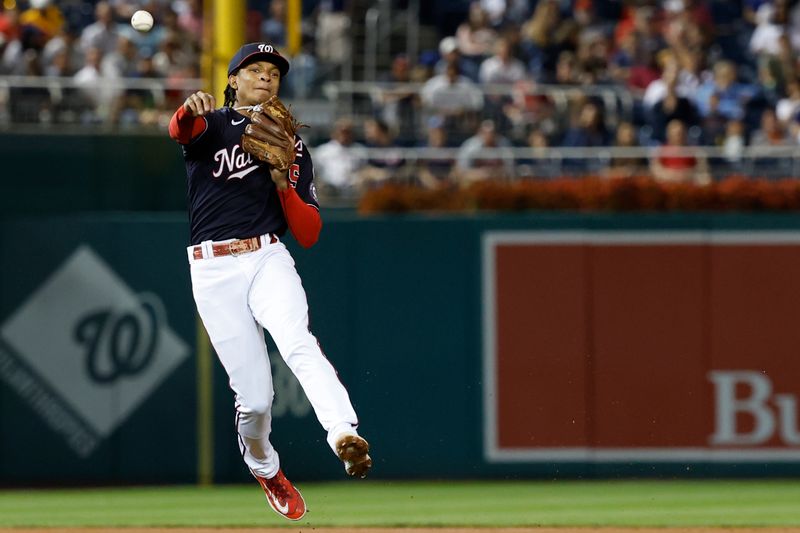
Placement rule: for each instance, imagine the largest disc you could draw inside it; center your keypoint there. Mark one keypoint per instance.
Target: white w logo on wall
(84, 350)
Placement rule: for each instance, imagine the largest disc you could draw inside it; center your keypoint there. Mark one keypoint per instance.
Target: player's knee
(256, 406)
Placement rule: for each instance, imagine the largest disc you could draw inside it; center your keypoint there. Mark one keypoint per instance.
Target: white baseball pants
(236, 297)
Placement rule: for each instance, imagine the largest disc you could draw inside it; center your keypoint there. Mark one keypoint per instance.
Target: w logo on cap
(258, 52)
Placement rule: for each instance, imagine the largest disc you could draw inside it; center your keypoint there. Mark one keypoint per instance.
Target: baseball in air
(142, 20)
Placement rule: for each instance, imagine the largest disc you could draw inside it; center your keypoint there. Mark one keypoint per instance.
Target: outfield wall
(535, 345)
(47, 174)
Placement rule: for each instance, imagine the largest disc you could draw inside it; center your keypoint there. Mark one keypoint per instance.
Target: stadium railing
(618, 102)
(431, 167)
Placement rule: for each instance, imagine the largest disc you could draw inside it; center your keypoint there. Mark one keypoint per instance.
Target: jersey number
(294, 175)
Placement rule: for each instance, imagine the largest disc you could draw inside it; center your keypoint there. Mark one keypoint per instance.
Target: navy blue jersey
(230, 193)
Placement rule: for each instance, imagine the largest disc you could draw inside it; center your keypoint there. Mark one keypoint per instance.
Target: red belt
(235, 247)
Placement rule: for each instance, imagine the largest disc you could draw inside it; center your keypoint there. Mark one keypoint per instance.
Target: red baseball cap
(258, 52)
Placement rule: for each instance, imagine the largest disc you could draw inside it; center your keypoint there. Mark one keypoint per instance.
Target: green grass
(625, 503)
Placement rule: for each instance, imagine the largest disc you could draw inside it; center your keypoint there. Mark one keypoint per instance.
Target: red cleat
(282, 496)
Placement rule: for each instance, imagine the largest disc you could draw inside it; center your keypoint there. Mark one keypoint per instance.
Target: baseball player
(243, 277)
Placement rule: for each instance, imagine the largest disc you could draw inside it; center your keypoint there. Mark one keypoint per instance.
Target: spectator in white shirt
(788, 107)
(451, 93)
(686, 82)
(502, 67)
(765, 37)
(101, 34)
(338, 161)
(495, 10)
(454, 98)
(88, 78)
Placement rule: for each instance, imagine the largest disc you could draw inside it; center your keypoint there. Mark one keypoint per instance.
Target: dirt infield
(309, 529)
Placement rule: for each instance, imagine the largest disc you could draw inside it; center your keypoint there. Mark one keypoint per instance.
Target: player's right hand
(200, 104)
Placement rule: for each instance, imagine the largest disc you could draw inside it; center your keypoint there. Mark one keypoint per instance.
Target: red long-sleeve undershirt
(303, 219)
(183, 127)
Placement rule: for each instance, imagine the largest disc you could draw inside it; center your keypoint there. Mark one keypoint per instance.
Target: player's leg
(220, 291)
(279, 303)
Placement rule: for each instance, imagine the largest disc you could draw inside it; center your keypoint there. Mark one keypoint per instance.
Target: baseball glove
(270, 135)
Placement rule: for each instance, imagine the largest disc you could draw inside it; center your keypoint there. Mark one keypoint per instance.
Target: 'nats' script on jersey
(231, 194)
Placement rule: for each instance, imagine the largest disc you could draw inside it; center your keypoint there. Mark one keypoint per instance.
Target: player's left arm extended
(303, 219)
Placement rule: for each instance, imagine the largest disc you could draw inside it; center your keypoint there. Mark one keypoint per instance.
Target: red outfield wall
(641, 346)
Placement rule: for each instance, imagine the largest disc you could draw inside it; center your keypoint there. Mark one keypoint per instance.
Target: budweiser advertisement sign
(641, 346)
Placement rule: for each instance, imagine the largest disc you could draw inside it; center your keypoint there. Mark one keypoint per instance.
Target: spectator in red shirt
(9, 24)
(643, 26)
(677, 162)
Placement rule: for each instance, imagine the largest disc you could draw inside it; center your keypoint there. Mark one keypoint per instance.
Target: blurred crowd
(537, 74)
(92, 44)
(547, 74)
